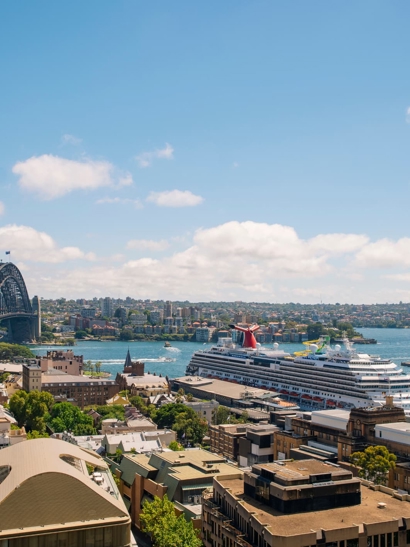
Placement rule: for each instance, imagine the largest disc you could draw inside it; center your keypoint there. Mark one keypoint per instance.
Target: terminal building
(48, 498)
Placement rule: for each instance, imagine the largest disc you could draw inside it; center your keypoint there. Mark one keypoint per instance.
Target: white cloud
(26, 243)
(52, 176)
(145, 159)
(70, 139)
(385, 253)
(2, 208)
(235, 165)
(232, 261)
(175, 198)
(136, 202)
(408, 115)
(148, 244)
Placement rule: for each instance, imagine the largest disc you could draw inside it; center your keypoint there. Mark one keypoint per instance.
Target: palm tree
(98, 367)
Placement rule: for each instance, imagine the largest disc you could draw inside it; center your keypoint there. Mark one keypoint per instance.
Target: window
(353, 542)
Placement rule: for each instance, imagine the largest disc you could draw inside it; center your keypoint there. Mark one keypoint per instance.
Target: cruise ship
(319, 377)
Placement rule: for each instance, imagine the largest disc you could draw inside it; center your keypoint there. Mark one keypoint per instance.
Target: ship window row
(321, 382)
(291, 369)
(328, 380)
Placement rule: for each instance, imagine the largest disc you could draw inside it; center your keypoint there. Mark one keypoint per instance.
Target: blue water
(392, 343)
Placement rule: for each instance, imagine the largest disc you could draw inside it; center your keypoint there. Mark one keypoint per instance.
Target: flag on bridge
(7, 252)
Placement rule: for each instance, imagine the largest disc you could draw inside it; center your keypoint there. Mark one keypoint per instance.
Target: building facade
(294, 505)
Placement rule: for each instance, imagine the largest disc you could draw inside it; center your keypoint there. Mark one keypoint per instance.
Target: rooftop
(220, 387)
(48, 378)
(47, 484)
(396, 426)
(328, 519)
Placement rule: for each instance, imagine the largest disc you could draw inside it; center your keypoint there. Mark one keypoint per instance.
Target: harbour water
(392, 343)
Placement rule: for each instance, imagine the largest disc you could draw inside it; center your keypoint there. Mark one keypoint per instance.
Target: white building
(398, 432)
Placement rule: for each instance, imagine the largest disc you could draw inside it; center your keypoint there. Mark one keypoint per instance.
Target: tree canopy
(67, 417)
(182, 419)
(31, 409)
(9, 351)
(158, 519)
(374, 463)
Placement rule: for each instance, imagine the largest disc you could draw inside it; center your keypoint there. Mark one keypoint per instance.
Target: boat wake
(175, 350)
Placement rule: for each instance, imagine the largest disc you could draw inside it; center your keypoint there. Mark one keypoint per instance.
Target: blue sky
(220, 150)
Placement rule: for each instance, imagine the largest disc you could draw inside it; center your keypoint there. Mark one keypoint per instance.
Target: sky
(239, 150)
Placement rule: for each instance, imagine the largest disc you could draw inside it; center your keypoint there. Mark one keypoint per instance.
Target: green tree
(175, 446)
(98, 367)
(314, 331)
(221, 415)
(67, 417)
(80, 334)
(158, 519)
(126, 334)
(31, 409)
(9, 351)
(182, 419)
(374, 462)
(36, 435)
(139, 403)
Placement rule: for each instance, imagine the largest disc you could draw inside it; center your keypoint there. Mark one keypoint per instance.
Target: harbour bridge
(19, 317)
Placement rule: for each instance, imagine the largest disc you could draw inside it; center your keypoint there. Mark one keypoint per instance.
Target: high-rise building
(107, 307)
(168, 309)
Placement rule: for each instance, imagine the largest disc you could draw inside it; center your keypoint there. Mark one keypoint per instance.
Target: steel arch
(13, 290)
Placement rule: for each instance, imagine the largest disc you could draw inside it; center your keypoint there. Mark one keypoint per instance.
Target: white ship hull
(333, 380)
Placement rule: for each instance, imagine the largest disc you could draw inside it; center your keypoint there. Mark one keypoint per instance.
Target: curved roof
(48, 484)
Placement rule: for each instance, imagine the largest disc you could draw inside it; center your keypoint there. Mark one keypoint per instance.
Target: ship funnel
(249, 340)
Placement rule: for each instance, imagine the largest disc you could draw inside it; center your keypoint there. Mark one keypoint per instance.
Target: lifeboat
(340, 405)
(307, 397)
(330, 402)
(318, 399)
(294, 394)
(284, 392)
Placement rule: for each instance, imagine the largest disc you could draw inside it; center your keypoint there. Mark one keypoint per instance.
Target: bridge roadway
(12, 315)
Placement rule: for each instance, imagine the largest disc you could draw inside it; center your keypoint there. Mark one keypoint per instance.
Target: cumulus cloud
(51, 176)
(26, 243)
(175, 198)
(232, 261)
(235, 260)
(385, 253)
(148, 244)
(70, 139)
(145, 159)
(408, 115)
(136, 202)
(2, 208)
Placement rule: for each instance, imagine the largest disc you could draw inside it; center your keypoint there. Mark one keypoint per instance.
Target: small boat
(167, 345)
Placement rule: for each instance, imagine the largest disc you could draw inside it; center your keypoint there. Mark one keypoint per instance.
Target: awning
(197, 487)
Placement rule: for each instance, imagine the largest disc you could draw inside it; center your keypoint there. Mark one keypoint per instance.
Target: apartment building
(298, 504)
(183, 476)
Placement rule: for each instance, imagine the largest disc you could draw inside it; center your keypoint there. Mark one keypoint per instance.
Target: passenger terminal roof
(44, 484)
